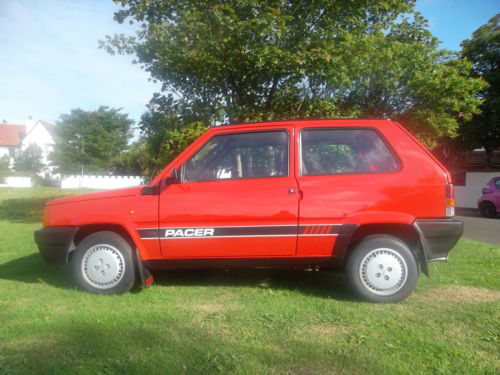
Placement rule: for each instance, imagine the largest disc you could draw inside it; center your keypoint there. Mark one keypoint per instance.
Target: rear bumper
(55, 243)
(438, 236)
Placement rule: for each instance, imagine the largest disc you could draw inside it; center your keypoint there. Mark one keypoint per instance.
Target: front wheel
(382, 269)
(103, 264)
(487, 209)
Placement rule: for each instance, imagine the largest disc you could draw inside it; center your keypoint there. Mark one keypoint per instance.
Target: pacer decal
(188, 232)
(254, 231)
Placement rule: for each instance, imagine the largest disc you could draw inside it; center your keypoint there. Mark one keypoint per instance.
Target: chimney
(29, 124)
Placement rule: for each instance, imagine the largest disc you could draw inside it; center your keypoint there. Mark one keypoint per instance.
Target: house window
(12, 152)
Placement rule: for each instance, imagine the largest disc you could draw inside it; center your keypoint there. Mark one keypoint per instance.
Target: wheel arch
(86, 230)
(405, 232)
(113, 270)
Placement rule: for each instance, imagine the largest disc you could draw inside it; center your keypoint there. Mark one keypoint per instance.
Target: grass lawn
(240, 322)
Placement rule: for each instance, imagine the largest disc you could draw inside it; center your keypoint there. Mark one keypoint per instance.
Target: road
(479, 228)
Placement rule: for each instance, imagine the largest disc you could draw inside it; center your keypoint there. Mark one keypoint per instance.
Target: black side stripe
(148, 233)
(250, 231)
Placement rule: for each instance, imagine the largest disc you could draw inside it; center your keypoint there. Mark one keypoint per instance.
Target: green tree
(168, 127)
(243, 60)
(133, 162)
(483, 50)
(90, 140)
(4, 163)
(29, 160)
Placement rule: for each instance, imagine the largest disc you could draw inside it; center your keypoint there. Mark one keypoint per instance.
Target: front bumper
(55, 243)
(438, 236)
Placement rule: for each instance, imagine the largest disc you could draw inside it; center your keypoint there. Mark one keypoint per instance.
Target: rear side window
(241, 155)
(345, 151)
(497, 184)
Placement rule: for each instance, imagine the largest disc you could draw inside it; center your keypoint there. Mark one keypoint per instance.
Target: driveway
(479, 228)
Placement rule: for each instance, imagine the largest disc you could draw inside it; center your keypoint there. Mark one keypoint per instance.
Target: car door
(236, 198)
(342, 171)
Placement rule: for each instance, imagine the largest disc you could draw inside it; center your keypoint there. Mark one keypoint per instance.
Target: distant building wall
(468, 195)
(38, 134)
(100, 182)
(4, 150)
(7, 151)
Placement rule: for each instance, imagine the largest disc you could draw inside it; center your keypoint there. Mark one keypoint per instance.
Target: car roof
(313, 122)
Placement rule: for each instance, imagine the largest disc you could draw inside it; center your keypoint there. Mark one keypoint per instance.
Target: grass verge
(242, 322)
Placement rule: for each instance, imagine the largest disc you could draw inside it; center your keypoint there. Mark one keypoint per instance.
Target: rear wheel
(103, 264)
(382, 269)
(487, 209)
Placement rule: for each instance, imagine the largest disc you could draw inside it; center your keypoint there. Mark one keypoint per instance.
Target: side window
(497, 184)
(344, 151)
(241, 155)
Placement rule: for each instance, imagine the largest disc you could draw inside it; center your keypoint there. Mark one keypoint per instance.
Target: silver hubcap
(383, 271)
(103, 266)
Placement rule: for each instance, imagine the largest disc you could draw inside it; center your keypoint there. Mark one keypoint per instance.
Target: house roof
(47, 125)
(11, 135)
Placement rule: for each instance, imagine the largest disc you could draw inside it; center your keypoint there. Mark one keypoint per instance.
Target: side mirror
(150, 190)
(174, 177)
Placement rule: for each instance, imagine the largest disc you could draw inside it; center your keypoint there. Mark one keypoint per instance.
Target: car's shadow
(312, 283)
(32, 269)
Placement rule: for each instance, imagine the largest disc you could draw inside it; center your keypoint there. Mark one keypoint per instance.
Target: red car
(489, 203)
(358, 195)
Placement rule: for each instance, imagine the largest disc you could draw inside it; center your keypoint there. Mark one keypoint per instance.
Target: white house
(40, 133)
(16, 138)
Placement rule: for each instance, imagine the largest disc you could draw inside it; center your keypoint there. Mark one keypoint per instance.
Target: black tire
(488, 210)
(381, 268)
(103, 264)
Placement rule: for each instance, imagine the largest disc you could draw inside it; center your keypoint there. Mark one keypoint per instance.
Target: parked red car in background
(489, 203)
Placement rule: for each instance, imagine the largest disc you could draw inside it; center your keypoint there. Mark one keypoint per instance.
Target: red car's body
(292, 215)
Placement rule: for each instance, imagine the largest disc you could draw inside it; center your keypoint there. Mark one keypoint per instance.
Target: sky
(50, 61)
